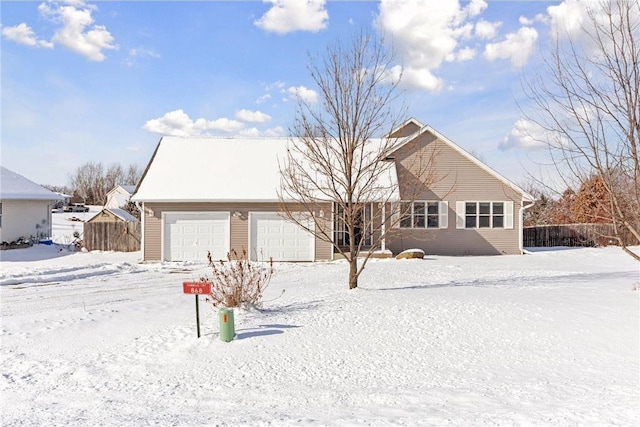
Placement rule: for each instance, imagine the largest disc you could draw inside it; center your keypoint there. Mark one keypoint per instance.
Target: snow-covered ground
(98, 339)
(63, 227)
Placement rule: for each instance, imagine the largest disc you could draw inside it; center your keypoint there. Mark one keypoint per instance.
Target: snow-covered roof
(215, 170)
(129, 188)
(119, 189)
(14, 186)
(122, 214)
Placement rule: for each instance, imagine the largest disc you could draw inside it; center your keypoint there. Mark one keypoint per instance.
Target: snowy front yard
(550, 338)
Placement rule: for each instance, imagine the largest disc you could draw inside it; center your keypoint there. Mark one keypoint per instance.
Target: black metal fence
(574, 235)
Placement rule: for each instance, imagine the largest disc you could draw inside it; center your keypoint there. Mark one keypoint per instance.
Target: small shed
(112, 229)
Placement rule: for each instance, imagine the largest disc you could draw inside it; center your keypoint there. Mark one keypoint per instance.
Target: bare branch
(337, 159)
(590, 105)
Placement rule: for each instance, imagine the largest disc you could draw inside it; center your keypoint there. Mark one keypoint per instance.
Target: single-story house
(25, 207)
(119, 196)
(218, 194)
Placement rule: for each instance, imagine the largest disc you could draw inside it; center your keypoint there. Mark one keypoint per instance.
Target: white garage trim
(286, 241)
(221, 218)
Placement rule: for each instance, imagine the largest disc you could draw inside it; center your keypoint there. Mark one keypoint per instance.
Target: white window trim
(507, 214)
(443, 215)
(344, 231)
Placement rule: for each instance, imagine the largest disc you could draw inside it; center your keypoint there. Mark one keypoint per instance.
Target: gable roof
(119, 213)
(526, 196)
(409, 127)
(127, 189)
(217, 170)
(212, 169)
(14, 186)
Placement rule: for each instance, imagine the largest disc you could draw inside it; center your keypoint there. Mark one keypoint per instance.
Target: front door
(362, 227)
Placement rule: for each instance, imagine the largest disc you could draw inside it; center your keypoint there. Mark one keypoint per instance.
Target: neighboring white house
(119, 196)
(25, 207)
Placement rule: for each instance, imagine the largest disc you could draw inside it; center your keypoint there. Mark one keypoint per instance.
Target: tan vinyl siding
(324, 250)
(454, 178)
(152, 236)
(239, 225)
(407, 129)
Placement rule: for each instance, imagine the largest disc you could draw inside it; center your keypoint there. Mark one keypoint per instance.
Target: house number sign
(196, 288)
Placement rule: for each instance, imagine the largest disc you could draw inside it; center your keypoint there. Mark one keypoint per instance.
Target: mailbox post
(196, 288)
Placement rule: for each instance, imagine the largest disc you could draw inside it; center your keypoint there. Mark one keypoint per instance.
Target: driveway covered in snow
(549, 338)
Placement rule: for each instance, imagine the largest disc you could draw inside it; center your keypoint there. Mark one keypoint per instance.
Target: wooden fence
(112, 236)
(573, 235)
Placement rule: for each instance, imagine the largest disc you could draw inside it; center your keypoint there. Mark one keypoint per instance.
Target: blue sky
(103, 81)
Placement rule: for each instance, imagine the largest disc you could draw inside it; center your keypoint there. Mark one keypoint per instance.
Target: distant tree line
(590, 204)
(91, 182)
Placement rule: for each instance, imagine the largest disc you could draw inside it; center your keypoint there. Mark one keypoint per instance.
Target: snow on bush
(238, 282)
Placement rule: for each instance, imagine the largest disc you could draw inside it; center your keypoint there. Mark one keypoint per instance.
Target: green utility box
(227, 326)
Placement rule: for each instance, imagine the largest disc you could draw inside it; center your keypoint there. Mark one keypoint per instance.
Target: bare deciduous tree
(91, 183)
(589, 104)
(337, 160)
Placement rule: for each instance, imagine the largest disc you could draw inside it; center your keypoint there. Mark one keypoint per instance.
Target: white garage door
(189, 236)
(274, 237)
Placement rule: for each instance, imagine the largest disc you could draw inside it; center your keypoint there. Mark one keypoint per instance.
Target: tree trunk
(353, 272)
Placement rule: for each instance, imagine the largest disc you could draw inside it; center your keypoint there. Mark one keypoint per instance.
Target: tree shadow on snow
(513, 282)
(292, 308)
(264, 330)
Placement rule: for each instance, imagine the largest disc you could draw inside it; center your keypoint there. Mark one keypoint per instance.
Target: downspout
(383, 228)
(523, 207)
(333, 230)
(140, 206)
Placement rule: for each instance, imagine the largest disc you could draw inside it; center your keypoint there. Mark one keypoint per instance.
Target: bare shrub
(237, 281)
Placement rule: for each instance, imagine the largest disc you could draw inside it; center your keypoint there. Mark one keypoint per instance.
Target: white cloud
(274, 132)
(427, 33)
(575, 20)
(75, 17)
(252, 116)
(287, 16)
(275, 85)
(136, 53)
(568, 17)
(517, 47)
(308, 96)
(141, 52)
(420, 78)
(250, 132)
(527, 22)
(476, 7)
(178, 123)
(466, 54)
(527, 135)
(487, 30)
(263, 98)
(23, 34)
